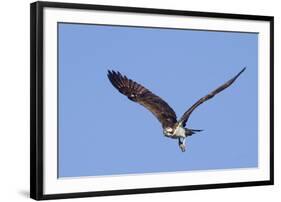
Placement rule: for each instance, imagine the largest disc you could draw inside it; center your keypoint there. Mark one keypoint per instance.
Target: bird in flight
(172, 127)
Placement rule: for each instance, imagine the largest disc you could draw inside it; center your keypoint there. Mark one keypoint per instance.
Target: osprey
(172, 127)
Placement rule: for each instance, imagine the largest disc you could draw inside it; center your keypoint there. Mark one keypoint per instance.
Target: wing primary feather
(187, 114)
(138, 93)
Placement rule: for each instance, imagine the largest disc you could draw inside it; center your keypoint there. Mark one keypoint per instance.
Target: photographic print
(139, 102)
(181, 66)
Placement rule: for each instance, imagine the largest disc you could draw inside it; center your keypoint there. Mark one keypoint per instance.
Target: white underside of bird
(178, 132)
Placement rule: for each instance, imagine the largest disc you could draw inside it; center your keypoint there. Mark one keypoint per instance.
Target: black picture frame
(37, 101)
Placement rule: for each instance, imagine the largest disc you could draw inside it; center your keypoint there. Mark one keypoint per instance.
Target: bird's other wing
(137, 93)
(187, 114)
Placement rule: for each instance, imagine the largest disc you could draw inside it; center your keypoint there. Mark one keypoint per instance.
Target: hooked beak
(182, 147)
(182, 144)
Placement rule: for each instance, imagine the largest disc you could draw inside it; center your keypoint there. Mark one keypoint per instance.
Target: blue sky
(101, 132)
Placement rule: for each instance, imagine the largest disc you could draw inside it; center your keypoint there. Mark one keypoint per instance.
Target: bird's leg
(182, 143)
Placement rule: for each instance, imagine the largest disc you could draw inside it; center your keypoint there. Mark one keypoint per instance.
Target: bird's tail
(190, 132)
(194, 130)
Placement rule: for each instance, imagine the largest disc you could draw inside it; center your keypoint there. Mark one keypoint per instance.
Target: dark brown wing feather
(137, 93)
(187, 114)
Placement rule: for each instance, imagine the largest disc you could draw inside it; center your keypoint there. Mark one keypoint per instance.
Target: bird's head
(182, 147)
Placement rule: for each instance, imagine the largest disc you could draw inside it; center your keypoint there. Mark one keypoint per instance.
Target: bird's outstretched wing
(187, 114)
(137, 93)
